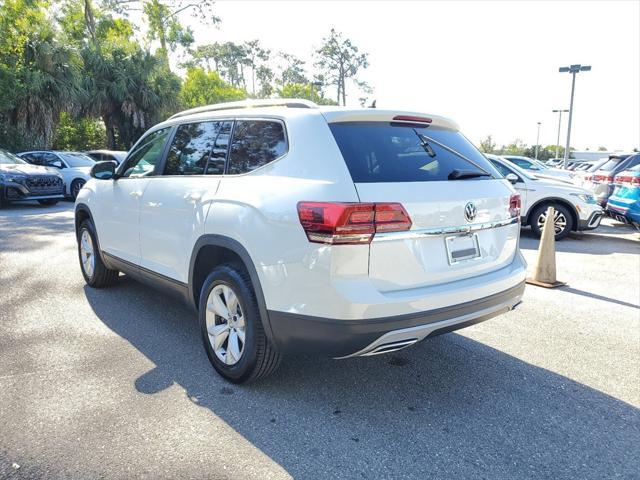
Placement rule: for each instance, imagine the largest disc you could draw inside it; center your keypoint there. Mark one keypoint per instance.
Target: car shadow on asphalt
(448, 407)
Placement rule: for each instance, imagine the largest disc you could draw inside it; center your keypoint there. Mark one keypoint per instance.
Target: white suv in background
(297, 228)
(576, 209)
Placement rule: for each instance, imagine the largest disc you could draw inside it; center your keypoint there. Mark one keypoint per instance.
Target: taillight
(350, 223)
(514, 205)
(588, 178)
(635, 181)
(603, 178)
(391, 217)
(622, 179)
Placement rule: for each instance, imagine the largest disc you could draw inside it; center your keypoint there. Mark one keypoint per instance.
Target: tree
(256, 56)
(339, 60)
(602, 149)
(487, 145)
(291, 69)
(306, 91)
(204, 88)
(39, 75)
(79, 133)
(126, 86)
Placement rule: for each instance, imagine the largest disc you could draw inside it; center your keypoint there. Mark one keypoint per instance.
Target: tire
(258, 358)
(98, 276)
(48, 202)
(563, 217)
(76, 186)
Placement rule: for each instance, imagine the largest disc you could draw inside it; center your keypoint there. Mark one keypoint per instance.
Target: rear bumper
(294, 333)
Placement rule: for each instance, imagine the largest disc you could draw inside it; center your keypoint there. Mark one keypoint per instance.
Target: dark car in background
(21, 182)
(107, 155)
(601, 182)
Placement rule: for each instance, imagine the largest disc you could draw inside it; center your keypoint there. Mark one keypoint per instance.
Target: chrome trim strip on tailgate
(430, 232)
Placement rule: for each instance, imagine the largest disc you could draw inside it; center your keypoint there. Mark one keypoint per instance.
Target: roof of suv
(286, 108)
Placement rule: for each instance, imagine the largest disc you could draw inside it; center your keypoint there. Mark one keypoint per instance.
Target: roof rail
(251, 103)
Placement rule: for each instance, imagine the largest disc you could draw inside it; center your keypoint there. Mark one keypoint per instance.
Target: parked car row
(624, 202)
(575, 208)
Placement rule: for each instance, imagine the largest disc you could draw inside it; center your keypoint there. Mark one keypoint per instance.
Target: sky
(490, 66)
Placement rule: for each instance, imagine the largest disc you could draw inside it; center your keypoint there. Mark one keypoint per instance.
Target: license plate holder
(462, 248)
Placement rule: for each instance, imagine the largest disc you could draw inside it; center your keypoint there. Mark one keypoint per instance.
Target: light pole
(573, 69)
(559, 112)
(538, 141)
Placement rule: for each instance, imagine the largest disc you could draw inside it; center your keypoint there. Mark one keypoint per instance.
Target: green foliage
(79, 134)
(306, 91)
(488, 145)
(204, 88)
(39, 75)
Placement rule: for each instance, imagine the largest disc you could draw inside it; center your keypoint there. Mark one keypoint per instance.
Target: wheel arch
(211, 250)
(549, 201)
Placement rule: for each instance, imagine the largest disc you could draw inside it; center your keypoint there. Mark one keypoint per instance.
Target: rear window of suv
(255, 143)
(393, 152)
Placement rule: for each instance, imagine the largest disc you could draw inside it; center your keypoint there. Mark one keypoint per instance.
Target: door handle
(136, 194)
(193, 197)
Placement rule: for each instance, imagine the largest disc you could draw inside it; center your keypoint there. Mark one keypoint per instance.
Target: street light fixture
(538, 140)
(573, 69)
(559, 112)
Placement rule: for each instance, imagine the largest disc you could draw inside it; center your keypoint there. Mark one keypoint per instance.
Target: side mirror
(57, 164)
(104, 170)
(512, 177)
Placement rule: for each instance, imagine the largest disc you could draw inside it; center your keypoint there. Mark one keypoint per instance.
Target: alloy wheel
(87, 254)
(560, 221)
(225, 324)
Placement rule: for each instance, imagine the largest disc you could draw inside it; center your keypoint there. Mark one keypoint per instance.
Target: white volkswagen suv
(295, 228)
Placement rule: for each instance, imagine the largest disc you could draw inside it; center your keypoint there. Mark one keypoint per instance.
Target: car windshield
(520, 171)
(78, 159)
(8, 158)
(611, 164)
(378, 152)
(541, 165)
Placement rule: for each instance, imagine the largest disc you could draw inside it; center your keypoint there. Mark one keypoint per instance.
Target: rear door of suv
(175, 204)
(445, 185)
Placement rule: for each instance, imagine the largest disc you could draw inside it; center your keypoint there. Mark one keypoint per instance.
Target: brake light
(514, 205)
(411, 118)
(588, 178)
(350, 223)
(623, 180)
(603, 178)
(635, 181)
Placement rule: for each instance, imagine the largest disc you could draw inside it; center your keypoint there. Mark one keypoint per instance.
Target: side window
(50, 160)
(255, 143)
(190, 149)
(504, 171)
(522, 163)
(143, 159)
(219, 153)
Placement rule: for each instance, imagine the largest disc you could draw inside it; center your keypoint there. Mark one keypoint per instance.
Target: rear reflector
(514, 205)
(410, 118)
(350, 223)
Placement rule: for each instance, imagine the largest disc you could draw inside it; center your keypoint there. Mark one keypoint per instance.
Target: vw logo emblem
(470, 211)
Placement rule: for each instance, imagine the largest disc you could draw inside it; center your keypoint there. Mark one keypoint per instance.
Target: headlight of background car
(586, 198)
(12, 177)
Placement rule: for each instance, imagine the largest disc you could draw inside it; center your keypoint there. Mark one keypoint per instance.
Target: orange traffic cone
(544, 274)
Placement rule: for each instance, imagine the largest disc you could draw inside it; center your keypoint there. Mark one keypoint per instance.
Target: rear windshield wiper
(458, 174)
(424, 143)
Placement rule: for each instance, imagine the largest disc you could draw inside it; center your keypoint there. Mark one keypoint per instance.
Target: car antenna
(373, 105)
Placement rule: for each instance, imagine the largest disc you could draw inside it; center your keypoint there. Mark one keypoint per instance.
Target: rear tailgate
(460, 227)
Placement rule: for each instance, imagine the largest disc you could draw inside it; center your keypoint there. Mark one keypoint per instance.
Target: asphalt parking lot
(115, 383)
